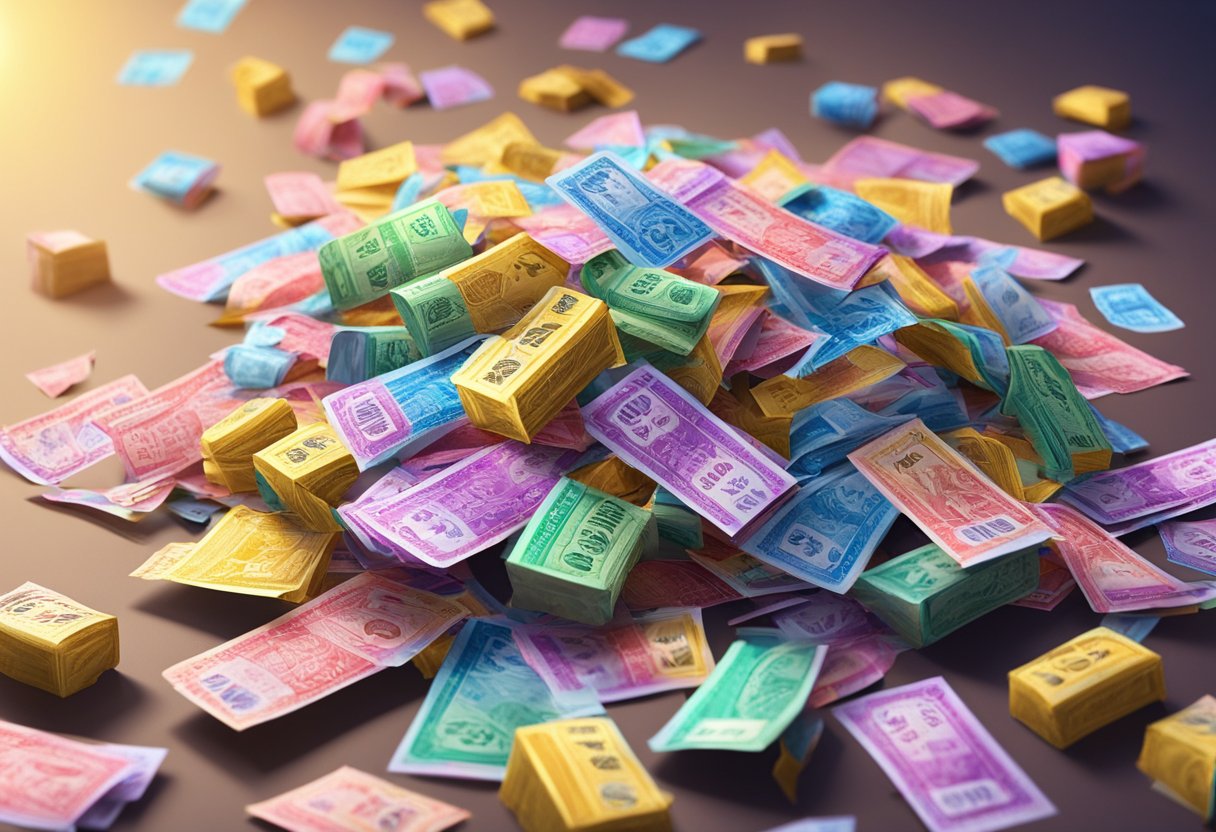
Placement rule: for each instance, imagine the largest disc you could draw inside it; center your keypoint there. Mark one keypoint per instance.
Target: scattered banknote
(52, 782)
(1129, 305)
(1113, 577)
(482, 693)
(180, 178)
(351, 799)
(838, 823)
(660, 44)
(648, 227)
(213, 16)
(454, 86)
(594, 34)
(868, 156)
(657, 427)
(907, 729)
(633, 655)
(754, 693)
(1148, 492)
(1022, 148)
(827, 532)
(852, 105)
(57, 379)
(155, 67)
(400, 410)
(1135, 627)
(654, 584)
(353, 631)
(1191, 544)
(959, 509)
(357, 45)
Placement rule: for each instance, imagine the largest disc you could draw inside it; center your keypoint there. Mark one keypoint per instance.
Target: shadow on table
(264, 748)
(224, 614)
(94, 711)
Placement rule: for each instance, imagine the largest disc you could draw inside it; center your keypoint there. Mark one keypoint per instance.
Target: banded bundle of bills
(372, 179)
(1049, 208)
(52, 782)
(1102, 107)
(1096, 159)
(580, 774)
(459, 19)
(515, 383)
(63, 263)
(1084, 684)
(413, 242)
(251, 553)
(306, 473)
(572, 558)
(351, 799)
(1179, 753)
(768, 49)
(565, 88)
(52, 642)
(262, 87)
(925, 595)
(488, 293)
(652, 304)
(228, 446)
(1054, 415)
(360, 353)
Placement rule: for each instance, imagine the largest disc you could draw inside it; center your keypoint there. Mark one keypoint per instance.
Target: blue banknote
(1022, 148)
(842, 212)
(647, 226)
(827, 532)
(851, 105)
(212, 16)
(850, 319)
(825, 433)
(1123, 440)
(402, 409)
(1129, 305)
(1022, 316)
(254, 367)
(483, 691)
(660, 44)
(938, 406)
(155, 67)
(1135, 627)
(357, 45)
(173, 175)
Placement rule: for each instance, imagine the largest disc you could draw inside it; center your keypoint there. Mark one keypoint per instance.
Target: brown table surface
(73, 139)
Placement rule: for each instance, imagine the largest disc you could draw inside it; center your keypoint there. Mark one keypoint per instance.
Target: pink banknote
(401, 87)
(654, 425)
(941, 492)
(1112, 577)
(454, 86)
(947, 110)
(1099, 362)
(48, 781)
(49, 448)
(867, 156)
(58, 378)
(279, 282)
(300, 194)
(778, 339)
(565, 231)
(742, 216)
(356, 629)
(594, 34)
(358, 90)
(623, 129)
(317, 134)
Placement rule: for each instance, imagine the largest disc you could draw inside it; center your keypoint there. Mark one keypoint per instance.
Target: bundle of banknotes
(645, 373)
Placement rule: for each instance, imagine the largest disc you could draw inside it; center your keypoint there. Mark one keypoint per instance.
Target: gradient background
(73, 138)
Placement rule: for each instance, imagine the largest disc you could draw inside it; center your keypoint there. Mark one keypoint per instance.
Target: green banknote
(415, 241)
(483, 691)
(574, 555)
(360, 353)
(753, 695)
(655, 305)
(434, 312)
(1055, 416)
(924, 594)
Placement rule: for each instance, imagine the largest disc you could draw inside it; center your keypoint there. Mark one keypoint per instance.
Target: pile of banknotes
(639, 374)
